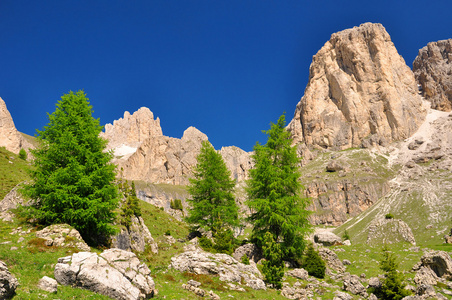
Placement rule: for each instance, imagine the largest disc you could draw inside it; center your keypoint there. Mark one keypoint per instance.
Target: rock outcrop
(62, 235)
(433, 265)
(144, 153)
(433, 70)
(359, 89)
(135, 237)
(115, 273)
(389, 231)
(10, 138)
(132, 130)
(227, 268)
(8, 283)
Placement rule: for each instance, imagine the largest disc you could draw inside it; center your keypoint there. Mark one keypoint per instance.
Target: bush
(346, 236)
(389, 216)
(224, 241)
(23, 154)
(176, 204)
(245, 260)
(313, 263)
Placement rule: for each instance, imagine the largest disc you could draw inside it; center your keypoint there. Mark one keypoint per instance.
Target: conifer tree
(211, 190)
(274, 194)
(73, 179)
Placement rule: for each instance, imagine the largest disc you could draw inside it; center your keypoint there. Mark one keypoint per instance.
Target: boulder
(327, 238)
(295, 292)
(359, 89)
(331, 260)
(62, 235)
(135, 237)
(115, 273)
(433, 70)
(11, 201)
(48, 284)
(249, 250)
(338, 295)
(425, 275)
(353, 285)
(435, 263)
(222, 265)
(298, 273)
(8, 283)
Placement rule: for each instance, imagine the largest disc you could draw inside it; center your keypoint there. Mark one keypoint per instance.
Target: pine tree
(211, 190)
(274, 194)
(73, 179)
(393, 286)
(313, 263)
(273, 266)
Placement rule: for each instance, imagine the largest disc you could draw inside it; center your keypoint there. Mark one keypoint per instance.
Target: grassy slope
(13, 170)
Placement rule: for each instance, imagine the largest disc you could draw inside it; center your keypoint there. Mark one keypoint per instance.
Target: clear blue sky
(228, 68)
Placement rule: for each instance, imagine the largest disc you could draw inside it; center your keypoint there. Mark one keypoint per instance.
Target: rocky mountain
(143, 153)
(10, 138)
(360, 92)
(433, 70)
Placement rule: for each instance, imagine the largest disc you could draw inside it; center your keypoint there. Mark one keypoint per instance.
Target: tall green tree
(73, 179)
(211, 190)
(274, 194)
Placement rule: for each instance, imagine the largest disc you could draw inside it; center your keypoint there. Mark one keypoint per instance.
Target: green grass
(13, 170)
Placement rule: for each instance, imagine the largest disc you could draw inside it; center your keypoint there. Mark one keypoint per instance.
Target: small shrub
(345, 236)
(389, 216)
(176, 204)
(245, 260)
(273, 266)
(23, 154)
(224, 241)
(313, 263)
(168, 232)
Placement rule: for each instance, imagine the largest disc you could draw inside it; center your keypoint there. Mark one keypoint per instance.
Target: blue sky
(228, 68)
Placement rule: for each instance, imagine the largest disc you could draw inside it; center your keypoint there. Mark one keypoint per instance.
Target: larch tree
(73, 179)
(211, 189)
(274, 194)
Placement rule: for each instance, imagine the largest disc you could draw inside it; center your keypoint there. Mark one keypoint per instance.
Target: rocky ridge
(433, 70)
(10, 138)
(359, 90)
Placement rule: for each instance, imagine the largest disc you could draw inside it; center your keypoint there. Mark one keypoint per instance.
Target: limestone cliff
(433, 70)
(359, 89)
(10, 138)
(132, 130)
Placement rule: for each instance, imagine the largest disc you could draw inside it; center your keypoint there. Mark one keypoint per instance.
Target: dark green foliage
(168, 232)
(130, 206)
(274, 193)
(73, 176)
(393, 287)
(211, 190)
(313, 263)
(346, 236)
(23, 154)
(245, 260)
(224, 241)
(389, 216)
(176, 204)
(273, 266)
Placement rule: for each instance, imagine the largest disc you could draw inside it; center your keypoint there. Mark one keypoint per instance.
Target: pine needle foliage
(313, 263)
(131, 206)
(274, 194)
(273, 266)
(393, 287)
(73, 179)
(211, 190)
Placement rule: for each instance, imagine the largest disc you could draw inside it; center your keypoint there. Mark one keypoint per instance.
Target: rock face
(433, 70)
(229, 269)
(359, 88)
(134, 238)
(8, 283)
(62, 235)
(433, 265)
(133, 129)
(144, 153)
(115, 273)
(10, 138)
